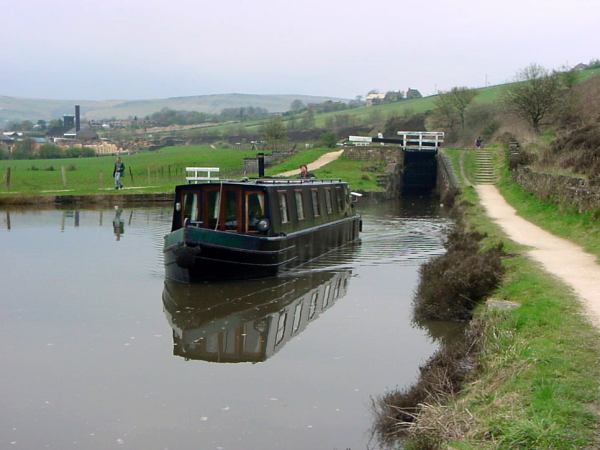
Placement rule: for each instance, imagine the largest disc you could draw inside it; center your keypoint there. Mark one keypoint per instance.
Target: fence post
(63, 174)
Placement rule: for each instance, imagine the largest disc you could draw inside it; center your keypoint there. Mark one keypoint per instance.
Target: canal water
(98, 352)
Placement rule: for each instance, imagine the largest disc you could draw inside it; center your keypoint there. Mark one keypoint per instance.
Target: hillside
(16, 108)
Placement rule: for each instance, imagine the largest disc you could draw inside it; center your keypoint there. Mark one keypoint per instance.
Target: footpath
(316, 164)
(558, 256)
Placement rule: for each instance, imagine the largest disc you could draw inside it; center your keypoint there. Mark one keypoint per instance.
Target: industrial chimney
(77, 119)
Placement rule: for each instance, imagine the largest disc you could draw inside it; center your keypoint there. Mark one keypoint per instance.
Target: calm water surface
(98, 352)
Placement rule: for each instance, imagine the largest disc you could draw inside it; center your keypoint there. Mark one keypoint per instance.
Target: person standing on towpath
(118, 171)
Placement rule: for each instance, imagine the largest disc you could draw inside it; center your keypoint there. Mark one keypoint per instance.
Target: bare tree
(444, 114)
(460, 97)
(274, 132)
(534, 95)
(454, 103)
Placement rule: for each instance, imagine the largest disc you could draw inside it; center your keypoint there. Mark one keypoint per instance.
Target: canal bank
(535, 378)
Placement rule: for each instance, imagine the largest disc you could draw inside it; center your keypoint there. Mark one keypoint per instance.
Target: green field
(157, 171)
(303, 157)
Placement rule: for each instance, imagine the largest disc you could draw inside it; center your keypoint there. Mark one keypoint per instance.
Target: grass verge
(537, 379)
(563, 221)
(146, 172)
(360, 175)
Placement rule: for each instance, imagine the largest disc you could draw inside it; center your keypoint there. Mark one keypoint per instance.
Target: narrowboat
(255, 228)
(247, 321)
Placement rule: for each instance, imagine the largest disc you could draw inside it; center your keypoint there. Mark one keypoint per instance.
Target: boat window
(299, 205)
(255, 209)
(328, 203)
(326, 296)
(213, 204)
(280, 327)
(315, 202)
(339, 195)
(313, 305)
(230, 210)
(297, 316)
(190, 208)
(283, 207)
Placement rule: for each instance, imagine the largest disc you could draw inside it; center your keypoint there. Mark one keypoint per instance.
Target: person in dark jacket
(304, 173)
(118, 172)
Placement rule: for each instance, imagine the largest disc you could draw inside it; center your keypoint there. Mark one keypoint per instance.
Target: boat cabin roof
(268, 182)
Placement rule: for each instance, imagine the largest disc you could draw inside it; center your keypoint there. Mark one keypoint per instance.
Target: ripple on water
(385, 240)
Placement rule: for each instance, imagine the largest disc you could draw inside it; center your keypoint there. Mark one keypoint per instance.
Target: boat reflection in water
(247, 321)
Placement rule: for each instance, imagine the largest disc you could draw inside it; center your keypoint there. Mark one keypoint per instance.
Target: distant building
(412, 93)
(580, 66)
(68, 121)
(374, 97)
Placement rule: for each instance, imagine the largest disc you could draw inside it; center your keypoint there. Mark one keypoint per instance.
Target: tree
(24, 149)
(49, 151)
(453, 104)
(328, 139)
(460, 97)
(308, 120)
(444, 114)
(297, 105)
(274, 132)
(534, 96)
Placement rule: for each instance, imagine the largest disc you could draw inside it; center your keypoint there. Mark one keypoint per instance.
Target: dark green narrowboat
(255, 228)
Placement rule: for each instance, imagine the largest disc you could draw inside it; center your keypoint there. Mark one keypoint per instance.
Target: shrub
(579, 150)
(415, 122)
(490, 129)
(328, 139)
(454, 283)
(50, 151)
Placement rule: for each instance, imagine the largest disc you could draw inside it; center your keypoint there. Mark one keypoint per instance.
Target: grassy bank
(155, 171)
(537, 379)
(360, 175)
(583, 229)
(302, 157)
(146, 172)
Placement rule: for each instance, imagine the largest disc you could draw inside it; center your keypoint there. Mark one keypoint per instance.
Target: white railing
(407, 140)
(419, 140)
(196, 174)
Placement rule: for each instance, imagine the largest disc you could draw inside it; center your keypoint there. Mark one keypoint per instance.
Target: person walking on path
(478, 143)
(118, 171)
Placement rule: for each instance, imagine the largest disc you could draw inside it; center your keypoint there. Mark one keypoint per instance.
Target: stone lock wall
(565, 190)
(374, 153)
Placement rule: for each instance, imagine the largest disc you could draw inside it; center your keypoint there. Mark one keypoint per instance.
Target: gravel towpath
(558, 256)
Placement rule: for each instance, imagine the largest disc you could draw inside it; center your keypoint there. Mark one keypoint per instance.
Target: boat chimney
(261, 164)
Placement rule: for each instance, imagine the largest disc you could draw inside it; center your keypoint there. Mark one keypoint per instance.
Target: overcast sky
(82, 49)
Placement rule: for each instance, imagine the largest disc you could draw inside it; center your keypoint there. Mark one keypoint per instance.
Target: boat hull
(196, 254)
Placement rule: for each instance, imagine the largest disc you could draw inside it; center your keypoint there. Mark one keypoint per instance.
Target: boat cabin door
(223, 208)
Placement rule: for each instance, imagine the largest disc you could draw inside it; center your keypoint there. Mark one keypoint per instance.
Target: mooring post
(63, 174)
(131, 175)
(8, 178)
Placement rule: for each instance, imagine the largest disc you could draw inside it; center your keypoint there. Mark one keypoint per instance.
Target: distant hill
(16, 108)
